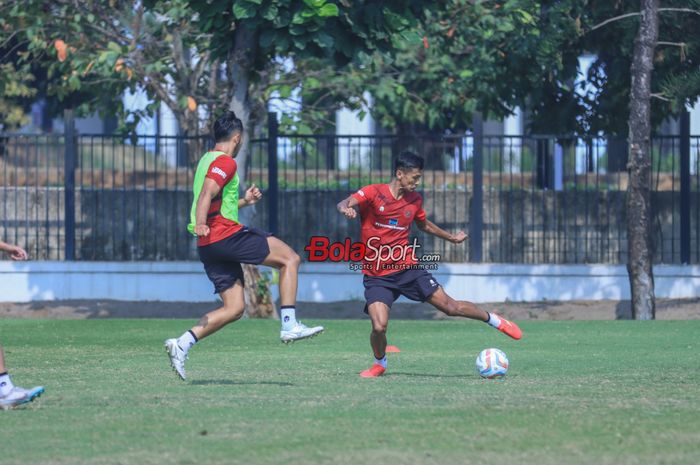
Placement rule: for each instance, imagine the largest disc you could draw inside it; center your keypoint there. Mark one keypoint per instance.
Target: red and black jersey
(386, 221)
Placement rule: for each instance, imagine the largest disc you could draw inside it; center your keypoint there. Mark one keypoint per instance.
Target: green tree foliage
(91, 52)
(608, 31)
(471, 56)
(491, 56)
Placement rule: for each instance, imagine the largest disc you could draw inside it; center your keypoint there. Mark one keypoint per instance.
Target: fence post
(69, 183)
(273, 185)
(685, 186)
(476, 213)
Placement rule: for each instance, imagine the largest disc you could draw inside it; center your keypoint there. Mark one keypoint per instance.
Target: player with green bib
(223, 244)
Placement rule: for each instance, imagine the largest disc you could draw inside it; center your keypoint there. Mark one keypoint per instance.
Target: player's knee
(234, 312)
(379, 327)
(293, 260)
(450, 308)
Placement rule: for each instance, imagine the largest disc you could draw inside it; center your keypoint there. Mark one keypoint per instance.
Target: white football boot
(298, 332)
(18, 396)
(177, 357)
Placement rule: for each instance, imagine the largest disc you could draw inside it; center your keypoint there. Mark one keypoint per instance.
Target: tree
(94, 51)
(251, 34)
(638, 196)
(662, 45)
(473, 56)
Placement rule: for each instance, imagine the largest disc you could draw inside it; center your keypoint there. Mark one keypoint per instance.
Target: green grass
(577, 393)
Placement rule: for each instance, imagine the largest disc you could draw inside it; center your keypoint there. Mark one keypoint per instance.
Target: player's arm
(347, 207)
(14, 251)
(251, 197)
(209, 191)
(431, 228)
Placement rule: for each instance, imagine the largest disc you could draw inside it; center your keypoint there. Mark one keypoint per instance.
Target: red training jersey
(386, 221)
(222, 170)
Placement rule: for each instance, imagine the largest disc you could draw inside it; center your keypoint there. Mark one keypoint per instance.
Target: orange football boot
(375, 371)
(509, 328)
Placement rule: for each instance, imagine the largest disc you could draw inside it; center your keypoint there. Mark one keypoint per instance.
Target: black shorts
(222, 259)
(416, 285)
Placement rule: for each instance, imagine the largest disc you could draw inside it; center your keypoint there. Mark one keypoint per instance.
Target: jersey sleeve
(364, 195)
(420, 213)
(222, 170)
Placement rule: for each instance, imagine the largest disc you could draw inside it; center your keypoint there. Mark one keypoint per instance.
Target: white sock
(186, 341)
(380, 361)
(494, 320)
(5, 384)
(289, 317)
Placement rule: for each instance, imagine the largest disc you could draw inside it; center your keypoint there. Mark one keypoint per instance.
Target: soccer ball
(492, 363)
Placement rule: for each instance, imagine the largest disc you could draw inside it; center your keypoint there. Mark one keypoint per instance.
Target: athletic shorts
(416, 285)
(222, 259)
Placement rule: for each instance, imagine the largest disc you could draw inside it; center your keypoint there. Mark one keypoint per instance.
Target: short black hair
(226, 126)
(408, 160)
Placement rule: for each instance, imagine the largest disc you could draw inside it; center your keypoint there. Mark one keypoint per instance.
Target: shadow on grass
(424, 375)
(229, 382)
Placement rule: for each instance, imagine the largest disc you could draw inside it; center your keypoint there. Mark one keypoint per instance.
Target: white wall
(328, 282)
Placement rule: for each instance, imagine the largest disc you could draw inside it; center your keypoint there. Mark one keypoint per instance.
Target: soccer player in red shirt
(387, 211)
(224, 243)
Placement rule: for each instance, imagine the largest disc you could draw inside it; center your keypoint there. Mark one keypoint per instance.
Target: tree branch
(680, 10)
(178, 54)
(136, 27)
(616, 18)
(636, 13)
(660, 96)
(199, 69)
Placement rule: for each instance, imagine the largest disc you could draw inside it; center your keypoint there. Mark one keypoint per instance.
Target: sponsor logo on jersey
(393, 222)
(219, 171)
(390, 226)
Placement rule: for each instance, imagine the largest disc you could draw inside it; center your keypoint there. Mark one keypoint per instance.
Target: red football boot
(375, 371)
(509, 328)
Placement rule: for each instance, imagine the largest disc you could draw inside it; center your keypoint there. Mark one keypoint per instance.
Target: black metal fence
(523, 199)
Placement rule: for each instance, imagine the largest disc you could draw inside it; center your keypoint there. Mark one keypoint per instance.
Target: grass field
(577, 393)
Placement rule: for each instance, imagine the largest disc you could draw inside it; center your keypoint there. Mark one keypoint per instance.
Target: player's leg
(232, 309)
(287, 261)
(228, 281)
(379, 300)
(462, 308)
(11, 395)
(379, 314)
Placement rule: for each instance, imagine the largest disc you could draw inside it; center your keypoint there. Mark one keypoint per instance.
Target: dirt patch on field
(666, 309)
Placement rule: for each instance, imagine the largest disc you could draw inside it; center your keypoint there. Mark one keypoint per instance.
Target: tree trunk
(240, 64)
(189, 125)
(259, 302)
(638, 191)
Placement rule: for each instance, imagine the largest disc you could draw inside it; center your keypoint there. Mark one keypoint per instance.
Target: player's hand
(349, 212)
(459, 237)
(17, 253)
(201, 230)
(252, 195)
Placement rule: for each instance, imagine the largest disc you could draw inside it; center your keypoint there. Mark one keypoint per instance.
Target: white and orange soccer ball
(492, 363)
